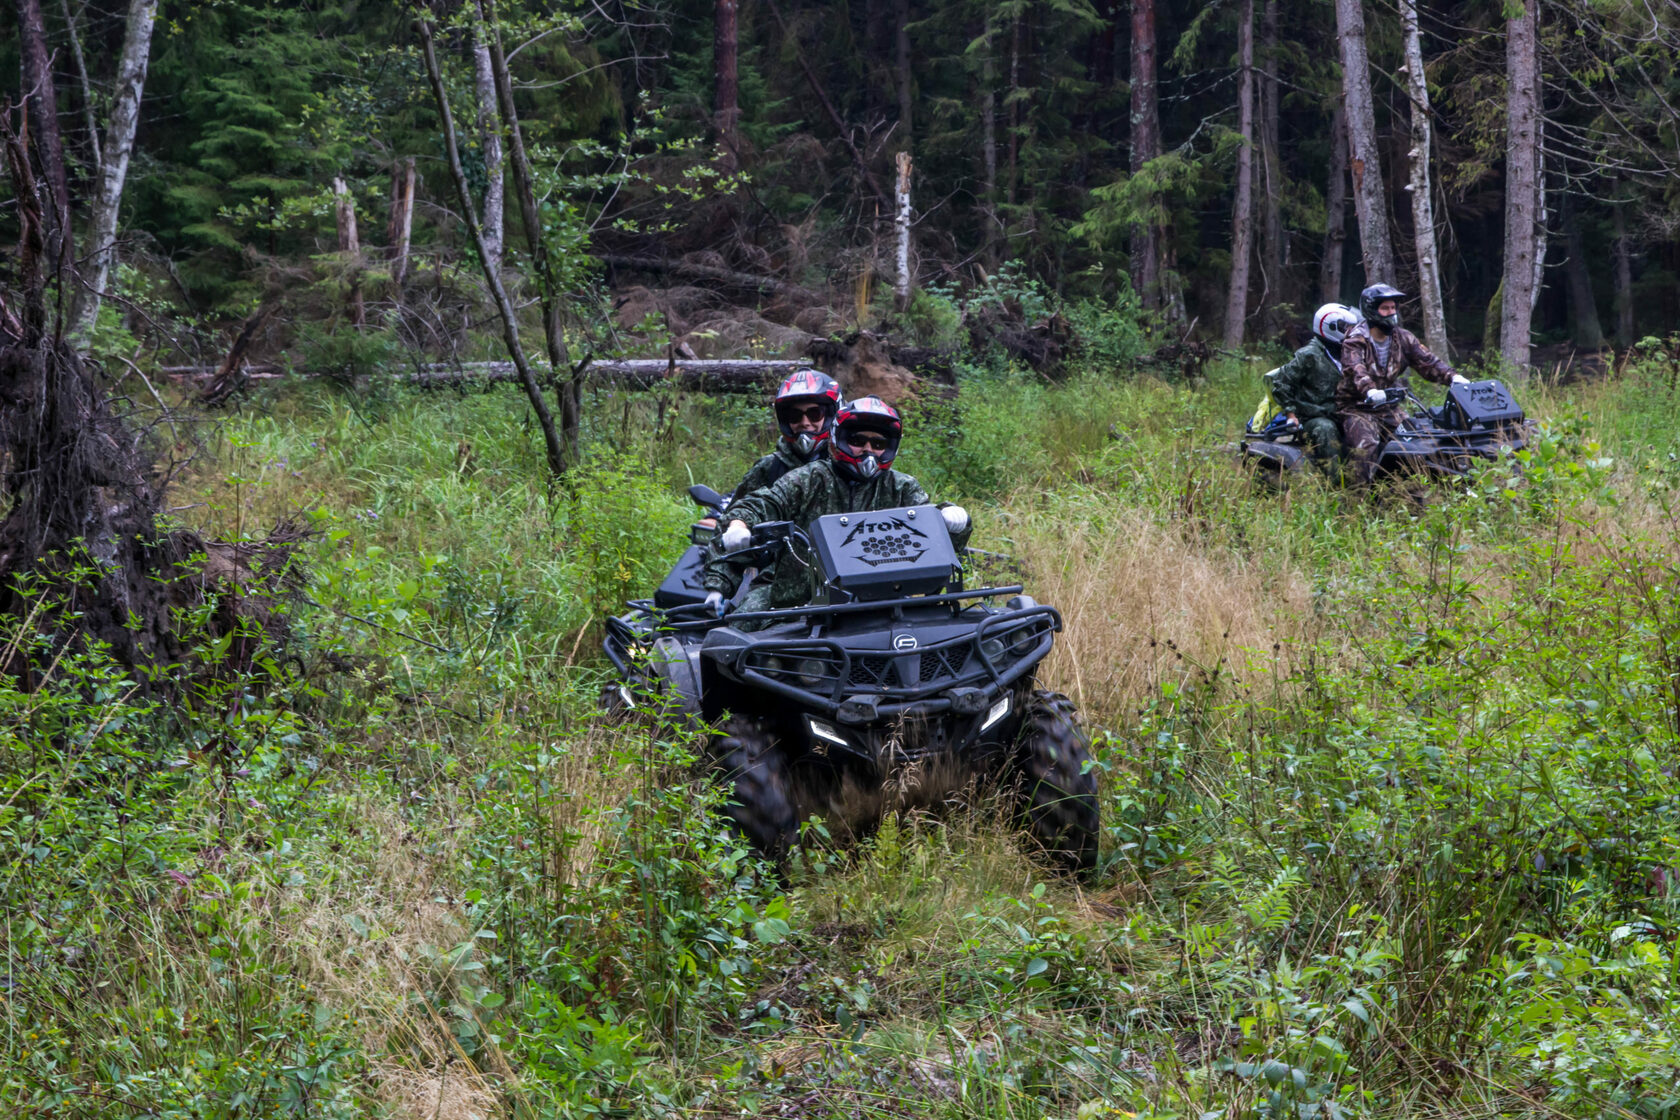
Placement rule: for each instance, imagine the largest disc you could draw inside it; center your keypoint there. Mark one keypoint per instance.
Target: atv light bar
(821, 730)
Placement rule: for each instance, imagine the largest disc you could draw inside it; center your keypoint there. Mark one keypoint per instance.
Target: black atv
(1478, 419)
(894, 678)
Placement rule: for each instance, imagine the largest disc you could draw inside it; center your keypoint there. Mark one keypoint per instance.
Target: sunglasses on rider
(811, 412)
(866, 441)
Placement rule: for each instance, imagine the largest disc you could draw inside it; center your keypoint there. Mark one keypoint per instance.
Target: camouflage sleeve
(783, 500)
(1422, 359)
(756, 478)
(911, 493)
(1286, 383)
(1359, 364)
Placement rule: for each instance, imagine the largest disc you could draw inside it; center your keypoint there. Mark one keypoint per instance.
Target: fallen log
(725, 276)
(722, 375)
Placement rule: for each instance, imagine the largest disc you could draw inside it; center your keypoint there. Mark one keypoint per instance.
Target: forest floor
(1389, 793)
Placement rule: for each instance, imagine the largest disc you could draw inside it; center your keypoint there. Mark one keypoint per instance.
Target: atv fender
(1280, 456)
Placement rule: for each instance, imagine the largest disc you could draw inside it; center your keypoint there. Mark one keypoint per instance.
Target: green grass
(1388, 789)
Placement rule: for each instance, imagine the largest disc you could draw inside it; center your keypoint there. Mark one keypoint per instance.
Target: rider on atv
(805, 405)
(1374, 355)
(856, 476)
(1305, 387)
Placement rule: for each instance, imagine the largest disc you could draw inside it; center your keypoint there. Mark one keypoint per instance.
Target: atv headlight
(811, 671)
(1023, 640)
(772, 666)
(997, 712)
(993, 649)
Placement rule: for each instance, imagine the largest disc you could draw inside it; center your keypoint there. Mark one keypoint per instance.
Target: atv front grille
(868, 670)
(946, 662)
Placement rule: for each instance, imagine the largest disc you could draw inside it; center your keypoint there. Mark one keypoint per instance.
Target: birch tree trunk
(726, 89)
(1417, 185)
(1522, 187)
(1370, 202)
(1335, 211)
(350, 245)
(1624, 278)
(1242, 216)
(402, 220)
(1274, 246)
(113, 171)
(1146, 145)
(901, 292)
(494, 218)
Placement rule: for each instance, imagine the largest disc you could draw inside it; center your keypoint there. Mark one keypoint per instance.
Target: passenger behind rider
(1374, 355)
(804, 407)
(1305, 387)
(857, 476)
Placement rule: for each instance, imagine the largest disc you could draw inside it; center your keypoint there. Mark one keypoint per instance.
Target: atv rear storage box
(873, 556)
(1483, 405)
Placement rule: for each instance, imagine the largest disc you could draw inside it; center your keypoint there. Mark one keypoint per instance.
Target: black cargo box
(1482, 404)
(887, 553)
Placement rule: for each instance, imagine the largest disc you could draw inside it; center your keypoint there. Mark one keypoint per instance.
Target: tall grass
(1388, 791)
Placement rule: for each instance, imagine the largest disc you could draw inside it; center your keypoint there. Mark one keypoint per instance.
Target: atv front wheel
(760, 804)
(1057, 796)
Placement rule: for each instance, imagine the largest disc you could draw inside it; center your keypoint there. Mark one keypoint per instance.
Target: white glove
(736, 537)
(1376, 396)
(956, 518)
(1460, 379)
(714, 603)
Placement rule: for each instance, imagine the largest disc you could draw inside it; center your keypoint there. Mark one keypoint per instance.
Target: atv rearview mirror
(706, 496)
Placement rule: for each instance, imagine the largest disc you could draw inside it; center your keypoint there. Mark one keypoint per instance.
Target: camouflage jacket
(802, 496)
(1361, 372)
(1306, 384)
(769, 469)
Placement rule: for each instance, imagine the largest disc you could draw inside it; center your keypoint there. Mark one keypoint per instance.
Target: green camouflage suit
(801, 497)
(767, 470)
(1306, 386)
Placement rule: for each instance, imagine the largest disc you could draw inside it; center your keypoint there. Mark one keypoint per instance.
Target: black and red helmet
(865, 416)
(805, 389)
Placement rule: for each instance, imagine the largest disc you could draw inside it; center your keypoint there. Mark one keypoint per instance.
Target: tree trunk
(903, 79)
(1369, 200)
(1417, 185)
(80, 60)
(988, 141)
(113, 171)
(1585, 331)
(1624, 279)
(1335, 210)
(570, 392)
(58, 240)
(901, 292)
(504, 306)
(350, 246)
(1274, 245)
(1013, 101)
(402, 221)
(726, 90)
(1522, 186)
(494, 220)
(1242, 213)
(1146, 145)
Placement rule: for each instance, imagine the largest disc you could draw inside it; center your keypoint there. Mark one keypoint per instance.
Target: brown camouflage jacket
(1362, 373)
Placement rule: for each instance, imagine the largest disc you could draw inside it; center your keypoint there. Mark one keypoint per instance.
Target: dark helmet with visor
(1372, 298)
(804, 390)
(866, 436)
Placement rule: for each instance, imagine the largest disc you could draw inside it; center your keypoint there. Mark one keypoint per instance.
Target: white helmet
(1332, 322)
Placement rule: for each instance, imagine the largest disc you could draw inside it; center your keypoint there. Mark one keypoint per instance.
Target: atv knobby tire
(761, 801)
(1057, 796)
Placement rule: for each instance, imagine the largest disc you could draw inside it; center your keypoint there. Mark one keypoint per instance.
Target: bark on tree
(1242, 212)
(80, 60)
(1585, 330)
(113, 170)
(1417, 185)
(726, 84)
(988, 141)
(1146, 145)
(1624, 278)
(504, 306)
(350, 246)
(1013, 102)
(1274, 245)
(1369, 199)
(1522, 186)
(41, 95)
(570, 392)
(1335, 211)
(901, 291)
(402, 221)
(490, 138)
(904, 79)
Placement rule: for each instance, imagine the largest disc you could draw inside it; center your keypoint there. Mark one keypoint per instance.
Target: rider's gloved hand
(1375, 397)
(1460, 379)
(736, 537)
(956, 518)
(714, 603)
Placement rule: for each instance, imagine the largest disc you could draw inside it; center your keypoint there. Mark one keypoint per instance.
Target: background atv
(894, 677)
(1477, 420)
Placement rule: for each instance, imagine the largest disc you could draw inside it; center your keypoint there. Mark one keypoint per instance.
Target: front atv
(895, 681)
